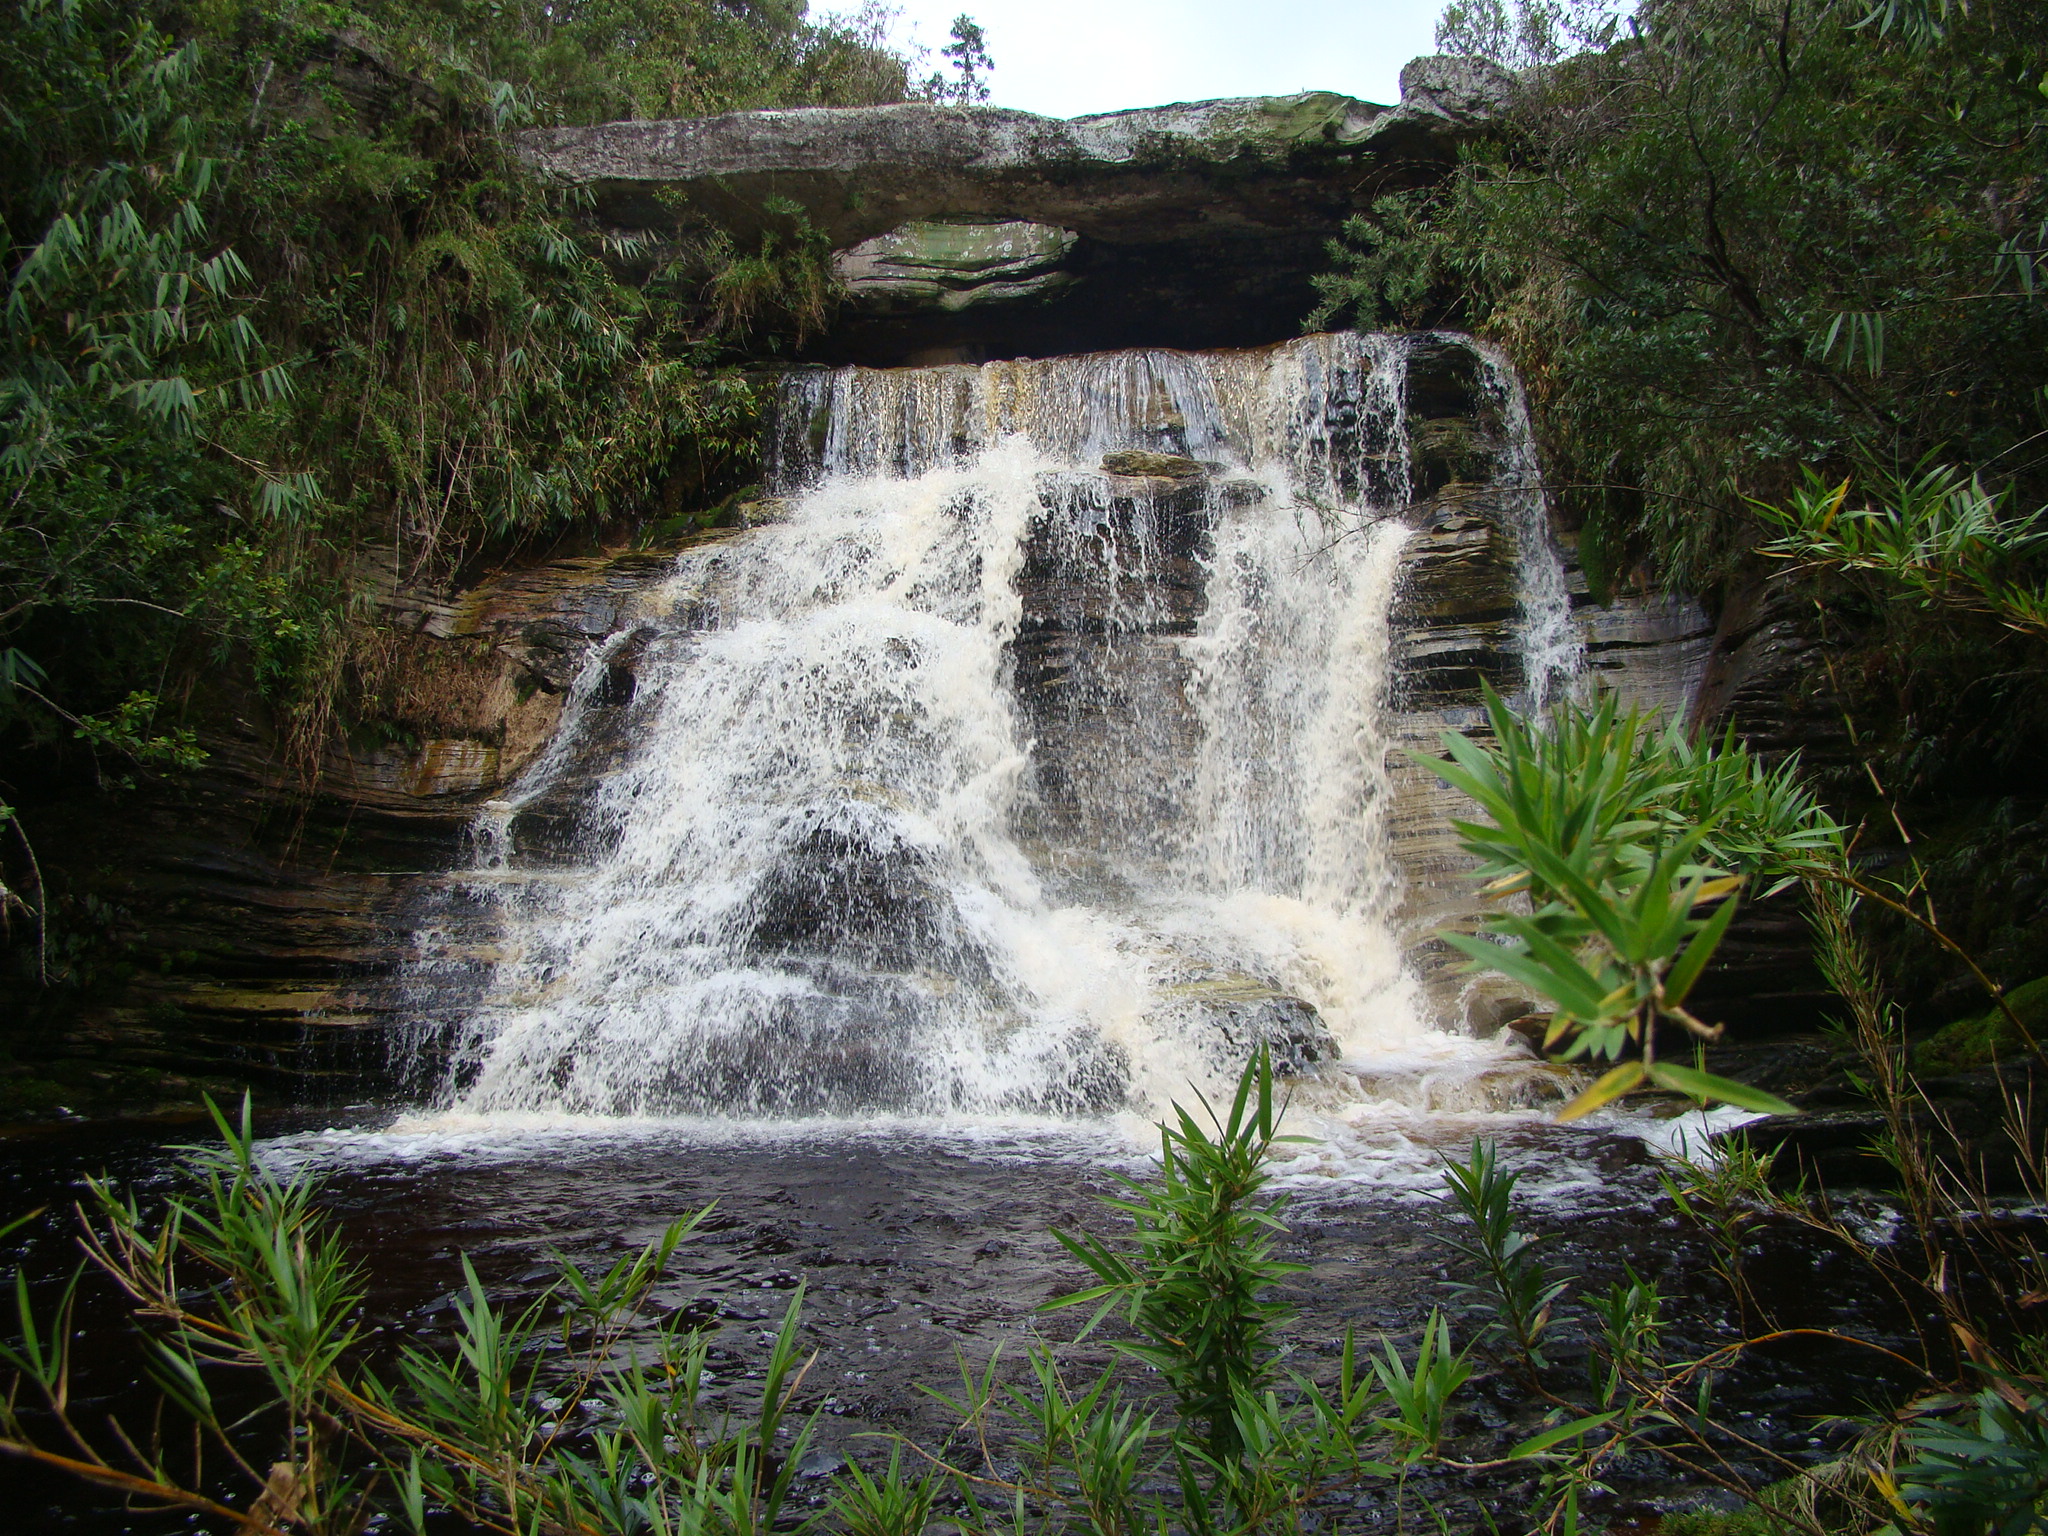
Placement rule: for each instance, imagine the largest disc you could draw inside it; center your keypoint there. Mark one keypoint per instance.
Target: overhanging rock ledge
(1195, 224)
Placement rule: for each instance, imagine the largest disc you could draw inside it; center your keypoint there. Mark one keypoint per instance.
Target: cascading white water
(985, 780)
(1553, 650)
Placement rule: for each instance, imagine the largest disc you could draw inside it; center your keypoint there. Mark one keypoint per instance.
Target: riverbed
(920, 1248)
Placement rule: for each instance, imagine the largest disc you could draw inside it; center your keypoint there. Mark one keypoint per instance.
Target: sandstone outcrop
(239, 924)
(1196, 225)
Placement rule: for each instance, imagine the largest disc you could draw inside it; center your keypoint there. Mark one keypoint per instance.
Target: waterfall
(1032, 759)
(1553, 650)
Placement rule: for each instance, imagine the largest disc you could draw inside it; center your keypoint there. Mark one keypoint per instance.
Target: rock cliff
(1192, 225)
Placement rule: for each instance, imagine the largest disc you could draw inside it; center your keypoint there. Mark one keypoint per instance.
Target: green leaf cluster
(1195, 1285)
(1736, 239)
(1932, 531)
(1618, 831)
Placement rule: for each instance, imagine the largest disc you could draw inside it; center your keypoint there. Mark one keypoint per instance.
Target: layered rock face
(253, 922)
(1194, 225)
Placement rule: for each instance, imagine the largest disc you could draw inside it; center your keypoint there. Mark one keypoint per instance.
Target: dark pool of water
(916, 1251)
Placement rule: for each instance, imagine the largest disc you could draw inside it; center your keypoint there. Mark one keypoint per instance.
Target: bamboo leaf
(1536, 1445)
(1610, 1087)
(1705, 1085)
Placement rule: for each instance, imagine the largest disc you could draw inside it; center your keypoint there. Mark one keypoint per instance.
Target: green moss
(1750, 1520)
(1971, 1043)
(1313, 117)
(1707, 1522)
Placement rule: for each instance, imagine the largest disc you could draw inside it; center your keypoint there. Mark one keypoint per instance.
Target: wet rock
(1488, 1015)
(1834, 1147)
(1449, 451)
(768, 509)
(1156, 466)
(1837, 1146)
(454, 766)
(1231, 1017)
(267, 923)
(814, 1464)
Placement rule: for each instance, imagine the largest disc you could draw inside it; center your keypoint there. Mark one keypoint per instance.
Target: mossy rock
(1313, 117)
(1971, 1043)
(1155, 466)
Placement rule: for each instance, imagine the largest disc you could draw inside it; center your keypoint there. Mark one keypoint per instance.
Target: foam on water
(851, 870)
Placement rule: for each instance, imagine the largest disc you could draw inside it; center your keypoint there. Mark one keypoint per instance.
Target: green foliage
(1194, 1285)
(1933, 532)
(1519, 34)
(786, 282)
(1724, 1196)
(125, 333)
(1742, 239)
(967, 53)
(1747, 1521)
(595, 61)
(1746, 255)
(1514, 1284)
(886, 1505)
(128, 729)
(1420, 1391)
(1986, 1470)
(1629, 1338)
(283, 324)
(1618, 831)
(241, 1273)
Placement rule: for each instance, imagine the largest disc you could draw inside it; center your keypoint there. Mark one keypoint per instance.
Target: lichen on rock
(954, 264)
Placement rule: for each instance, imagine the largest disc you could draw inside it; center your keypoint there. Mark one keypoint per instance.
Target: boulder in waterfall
(1229, 1016)
(1154, 466)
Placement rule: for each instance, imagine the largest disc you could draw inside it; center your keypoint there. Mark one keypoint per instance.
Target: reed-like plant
(248, 1303)
(1196, 1280)
(1942, 536)
(1629, 842)
(578, 1413)
(1514, 1286)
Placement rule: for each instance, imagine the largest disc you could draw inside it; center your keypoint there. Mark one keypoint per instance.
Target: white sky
(1065, 58)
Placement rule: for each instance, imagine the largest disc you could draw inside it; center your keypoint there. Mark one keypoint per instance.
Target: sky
(1065, 58)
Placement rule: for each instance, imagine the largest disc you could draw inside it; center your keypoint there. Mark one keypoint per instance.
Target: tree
(968, 55)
